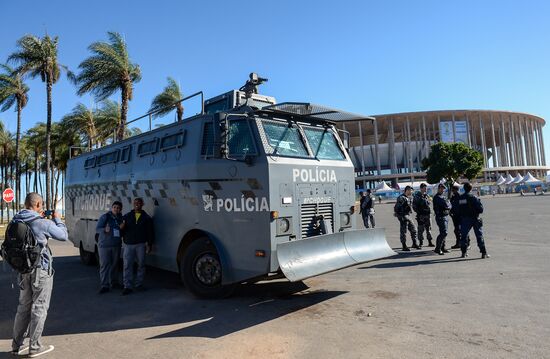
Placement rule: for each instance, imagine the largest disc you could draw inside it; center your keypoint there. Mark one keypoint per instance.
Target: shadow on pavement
(434, 260)
(77, 308)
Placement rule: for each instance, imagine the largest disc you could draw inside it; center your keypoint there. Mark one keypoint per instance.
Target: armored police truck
(247, 189)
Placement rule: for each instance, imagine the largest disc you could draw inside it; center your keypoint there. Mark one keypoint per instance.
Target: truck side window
(240, 140)
(207, 148)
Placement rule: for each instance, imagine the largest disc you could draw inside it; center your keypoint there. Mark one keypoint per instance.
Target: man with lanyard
(108, 238)
(366, 208)
(36, 286)
(442, 207)
(138, 239)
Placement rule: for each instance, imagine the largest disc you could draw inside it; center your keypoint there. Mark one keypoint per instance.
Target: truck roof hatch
(317, 112)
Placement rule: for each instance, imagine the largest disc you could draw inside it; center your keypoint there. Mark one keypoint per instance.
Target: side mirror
(220, 135)
(345, 137)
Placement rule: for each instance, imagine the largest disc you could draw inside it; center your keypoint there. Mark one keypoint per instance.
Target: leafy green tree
(83, 121)
(166, 100)
(13, 93)
(37, 57)
(108, 70)
(451, 161)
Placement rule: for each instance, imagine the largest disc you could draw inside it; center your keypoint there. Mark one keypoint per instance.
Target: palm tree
(36, 137)
(6, 151)
(38, 57)
(107, 118)
(166, 100)
(82, 120)
(14, 92)
(108, 70)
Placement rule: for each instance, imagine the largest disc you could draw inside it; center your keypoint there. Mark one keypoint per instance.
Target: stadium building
(391, 147)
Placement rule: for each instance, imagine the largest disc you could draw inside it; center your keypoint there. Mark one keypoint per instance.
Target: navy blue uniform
(470, 208)
(442, 208)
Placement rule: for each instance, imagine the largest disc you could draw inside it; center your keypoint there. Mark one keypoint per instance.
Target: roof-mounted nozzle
(251, 85)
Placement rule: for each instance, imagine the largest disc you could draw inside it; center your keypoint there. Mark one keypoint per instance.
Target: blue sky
(363, 56)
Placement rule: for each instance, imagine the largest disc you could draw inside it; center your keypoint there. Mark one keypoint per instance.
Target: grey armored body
(246, 189)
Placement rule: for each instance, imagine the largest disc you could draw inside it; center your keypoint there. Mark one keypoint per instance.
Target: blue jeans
(466, 224)
(442, 224)
(108, 261)
(133, 253)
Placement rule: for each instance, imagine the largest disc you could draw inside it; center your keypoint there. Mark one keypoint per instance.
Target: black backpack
(20, 248)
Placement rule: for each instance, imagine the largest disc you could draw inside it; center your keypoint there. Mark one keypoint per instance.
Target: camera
(48, 213)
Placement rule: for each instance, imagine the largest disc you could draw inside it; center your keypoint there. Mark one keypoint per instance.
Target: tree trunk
(56, 192)
(36, 172)
(123, 113)
(17, 162)
(48, 138)
(2, 179)
(179, 111)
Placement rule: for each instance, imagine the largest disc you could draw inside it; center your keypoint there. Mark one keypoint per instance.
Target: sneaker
(405, 249)
(42, 350)
(20, 351)
(485, 255)
(103, 290)
(126, 291)
(456, 246)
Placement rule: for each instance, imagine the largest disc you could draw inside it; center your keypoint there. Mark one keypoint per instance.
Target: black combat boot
(456, 246)
(405, 249)
(416, 246)
(430, 243)
(464, 254)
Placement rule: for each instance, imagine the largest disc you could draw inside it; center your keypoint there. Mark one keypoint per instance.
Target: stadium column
(536, 143)
(524, 144)
(409, 146)
(483, 145)
(513, 146)
(376, 148)
(362, 152)
(503, 149)
(425, 143)
(494, 149)
(542, 144)
(454, 127)
(393, 160)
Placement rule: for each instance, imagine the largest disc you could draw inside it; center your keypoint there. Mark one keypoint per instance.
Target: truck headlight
(284, 226)
(345, 219)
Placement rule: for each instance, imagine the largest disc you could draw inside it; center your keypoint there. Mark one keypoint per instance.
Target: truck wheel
(201, 270)
(88, 258)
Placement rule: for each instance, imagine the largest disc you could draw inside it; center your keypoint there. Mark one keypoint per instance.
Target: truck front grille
(308, 224)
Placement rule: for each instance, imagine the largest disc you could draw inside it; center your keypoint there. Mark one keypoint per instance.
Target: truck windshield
(286, 139)
(323, 144)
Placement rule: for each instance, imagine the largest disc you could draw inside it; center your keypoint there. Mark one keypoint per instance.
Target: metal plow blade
(321, 254)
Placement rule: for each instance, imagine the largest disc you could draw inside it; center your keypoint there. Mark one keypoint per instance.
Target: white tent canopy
(509, 179)
(518, 179)
(383, 187)
(500, 181)
(529, 179)
(414, 185)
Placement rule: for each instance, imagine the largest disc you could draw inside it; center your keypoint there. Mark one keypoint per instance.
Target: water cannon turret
(251, 85)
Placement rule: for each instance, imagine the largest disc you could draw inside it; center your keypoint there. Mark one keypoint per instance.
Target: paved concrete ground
(421, 305)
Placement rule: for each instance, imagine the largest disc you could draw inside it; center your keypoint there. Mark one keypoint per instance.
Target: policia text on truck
(245, 189)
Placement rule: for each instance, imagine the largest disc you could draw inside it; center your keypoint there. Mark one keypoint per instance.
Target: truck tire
(201, 270)
(88, 258)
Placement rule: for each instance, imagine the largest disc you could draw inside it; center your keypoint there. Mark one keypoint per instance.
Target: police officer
(455, 216)
(403, 210)
(470, 208)
(442, 207)
(421, 205)
(366, 208)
